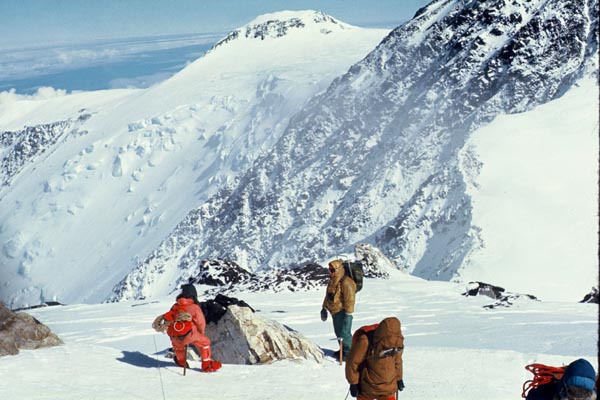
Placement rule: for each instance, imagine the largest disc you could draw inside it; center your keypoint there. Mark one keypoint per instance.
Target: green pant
(342, 325)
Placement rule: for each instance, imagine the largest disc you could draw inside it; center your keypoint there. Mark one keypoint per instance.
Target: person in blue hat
(577, 383)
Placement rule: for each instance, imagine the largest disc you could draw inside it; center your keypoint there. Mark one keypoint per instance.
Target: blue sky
(104, 44)
(39, 22)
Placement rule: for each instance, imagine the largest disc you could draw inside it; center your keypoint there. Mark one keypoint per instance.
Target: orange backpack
(364, 330)
(180, 322)
(542, 374)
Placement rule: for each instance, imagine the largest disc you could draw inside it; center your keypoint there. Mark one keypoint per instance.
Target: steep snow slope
(85, 198)
(377, 157)
(48, 106)
(534, 197)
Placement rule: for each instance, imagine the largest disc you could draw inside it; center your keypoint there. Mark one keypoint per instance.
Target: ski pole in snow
(185, 360)
(162, 387)
(341, 342)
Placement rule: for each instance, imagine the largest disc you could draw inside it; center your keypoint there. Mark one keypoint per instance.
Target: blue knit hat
(580, 373)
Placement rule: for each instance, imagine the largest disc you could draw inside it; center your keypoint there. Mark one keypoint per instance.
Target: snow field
(455, 349)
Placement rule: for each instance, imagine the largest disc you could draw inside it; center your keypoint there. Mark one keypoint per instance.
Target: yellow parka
(341, 291)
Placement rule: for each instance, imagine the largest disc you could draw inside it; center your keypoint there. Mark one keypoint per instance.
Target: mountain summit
(277, 25)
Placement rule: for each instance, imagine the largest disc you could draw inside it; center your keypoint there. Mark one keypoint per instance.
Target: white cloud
(10, 96)
(30, 62)
(78, 56)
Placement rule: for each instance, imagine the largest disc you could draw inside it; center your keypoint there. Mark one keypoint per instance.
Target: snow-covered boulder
(22, 331)
(241, 336)
(375, 263)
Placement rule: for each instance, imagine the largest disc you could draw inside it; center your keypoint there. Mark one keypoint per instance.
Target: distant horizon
(103, 64)
(29, 23)
(48, 45)
(136, 44)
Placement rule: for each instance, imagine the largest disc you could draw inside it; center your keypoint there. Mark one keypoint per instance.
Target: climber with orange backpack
(577, 381)
(185, 325)
(374, 367)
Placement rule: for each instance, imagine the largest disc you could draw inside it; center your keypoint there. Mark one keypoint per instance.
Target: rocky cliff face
(21, 148)
(374, 158)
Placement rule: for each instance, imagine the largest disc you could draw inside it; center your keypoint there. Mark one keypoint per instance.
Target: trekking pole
(184, 359)
(341, 342)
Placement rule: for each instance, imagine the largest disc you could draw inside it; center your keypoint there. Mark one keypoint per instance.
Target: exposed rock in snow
(484, 289)
(504, 299)
(281, 23)
(592, 297)
(21, 148)
(241, 336)
(228, 277)
(375, 263)
(22, 331)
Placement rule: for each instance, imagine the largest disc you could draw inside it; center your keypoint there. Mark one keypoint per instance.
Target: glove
(323, 314)
(354, 390)
(400, 385)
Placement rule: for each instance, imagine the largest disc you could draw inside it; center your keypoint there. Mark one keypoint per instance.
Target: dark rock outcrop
(503, 298)
(592, 297)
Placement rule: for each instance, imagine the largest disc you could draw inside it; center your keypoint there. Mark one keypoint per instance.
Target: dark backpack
(354, 269)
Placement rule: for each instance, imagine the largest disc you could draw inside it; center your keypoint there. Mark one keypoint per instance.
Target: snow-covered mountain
(388, 155)
(285, 146)
(94, 181)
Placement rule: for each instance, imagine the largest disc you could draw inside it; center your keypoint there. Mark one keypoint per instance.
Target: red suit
(194, 337)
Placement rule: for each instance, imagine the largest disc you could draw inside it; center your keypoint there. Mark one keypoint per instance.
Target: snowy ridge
(18, 149)
(376, 157)
(280, 24)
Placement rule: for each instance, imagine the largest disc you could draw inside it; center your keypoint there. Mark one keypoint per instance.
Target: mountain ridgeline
(376, 157)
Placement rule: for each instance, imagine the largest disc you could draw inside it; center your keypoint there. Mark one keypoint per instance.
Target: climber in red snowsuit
(185, 331)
